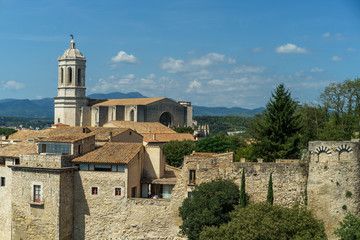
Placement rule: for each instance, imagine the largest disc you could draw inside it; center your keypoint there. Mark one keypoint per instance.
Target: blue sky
(212, 53)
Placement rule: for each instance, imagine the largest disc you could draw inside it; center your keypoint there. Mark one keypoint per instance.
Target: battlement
(333, 152)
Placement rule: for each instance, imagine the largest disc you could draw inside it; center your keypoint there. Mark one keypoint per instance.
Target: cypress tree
(243, 197)
(277, 130)
(270, 193)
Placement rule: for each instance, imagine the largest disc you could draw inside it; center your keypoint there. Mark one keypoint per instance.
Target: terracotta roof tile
(141, 127)
(128, 101)
(14, 150)
(103, 133)
(167, 137)
(111, 153)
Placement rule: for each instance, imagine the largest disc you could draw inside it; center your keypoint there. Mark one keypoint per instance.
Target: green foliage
(270, 193)
(176, 150)
(209, 205)
(220, 143)
(243, 197)
(349, 228)
(348, 194)
(277, 131)
(344, 207)
(184, 130)
(26, 122)
(224, 124)
(246, 152)
(262, 221)
(7, 131)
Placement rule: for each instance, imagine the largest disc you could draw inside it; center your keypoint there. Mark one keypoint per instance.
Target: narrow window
(94, 191)
(17, 161)
(43, 148)
(132, 115)
(70, 75)
(62, 75)
(37, 193)
(2, 181)
(117, 191)
(58, 120)
(192, 176)
(79, 76)
(2, 162)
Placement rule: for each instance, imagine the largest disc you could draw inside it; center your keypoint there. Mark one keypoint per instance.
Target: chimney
(110, 136)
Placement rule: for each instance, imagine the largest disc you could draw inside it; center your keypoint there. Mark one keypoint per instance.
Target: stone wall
(47, 161)
(39, 220)
(5, 196)
(334, 181)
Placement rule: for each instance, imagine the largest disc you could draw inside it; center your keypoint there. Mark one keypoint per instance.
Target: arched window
(70, 75)
(166, 119)
(79, 77)
(132, 115)
(62, 75)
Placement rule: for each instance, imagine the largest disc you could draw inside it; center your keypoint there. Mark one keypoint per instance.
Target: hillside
(44, 108)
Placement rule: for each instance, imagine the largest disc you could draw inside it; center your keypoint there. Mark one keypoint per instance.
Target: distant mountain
(116, 95)
(44, 108)
(224, 111)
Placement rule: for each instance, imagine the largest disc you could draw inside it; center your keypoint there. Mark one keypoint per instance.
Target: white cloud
(248, 69)
(351, 50)
(257, 49)
(207, 60)
(325, 35)
(216, 82)
(290, 48)
(316, 69)
(194, 85)
(336, 58)
(193, 65)
(13, 85)
(339, 36)
(123, 57)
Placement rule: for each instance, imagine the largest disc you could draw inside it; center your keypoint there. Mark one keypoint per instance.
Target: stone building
(73, 108)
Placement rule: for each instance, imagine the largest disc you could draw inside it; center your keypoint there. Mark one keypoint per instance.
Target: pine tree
(243, 197)
(277, 129)
(270, 193)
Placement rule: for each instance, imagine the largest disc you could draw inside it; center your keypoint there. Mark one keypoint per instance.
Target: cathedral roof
(129, 101)
(141, 127)
(111, 153)
(72, 52)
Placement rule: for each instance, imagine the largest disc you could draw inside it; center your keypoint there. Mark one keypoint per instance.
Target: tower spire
(72, 42)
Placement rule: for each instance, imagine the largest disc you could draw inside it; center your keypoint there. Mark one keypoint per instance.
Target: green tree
(184, 130)
(270, 193)
(349, 228)
(243, 196)
(277, 131)
(7, 131)
(209, 205)
(176, 150)
(216, 144)
(263, 221)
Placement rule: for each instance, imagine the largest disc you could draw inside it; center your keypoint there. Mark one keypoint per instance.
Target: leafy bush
(349, 228)
(262, 221)
(209, 205)
(176, 150)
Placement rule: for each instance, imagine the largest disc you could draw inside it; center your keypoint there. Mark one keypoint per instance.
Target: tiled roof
(111, 153)
(14, 150)
(167, 137)
(141, 127)
(63, 138)
(128, 101)
(103, 133)
(24, 135)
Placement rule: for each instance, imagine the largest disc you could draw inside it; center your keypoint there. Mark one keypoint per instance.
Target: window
(103, 168)
(132, 115)
(58, 120)
(94, 191)
(43, 148)
(192, 176)
(62, 75)
(37, 193)
(117, 191)
(17, 161)
(190, 194)
(70, 75)
(2, 181)
(133, 192)
(79, 76)
(2, 161)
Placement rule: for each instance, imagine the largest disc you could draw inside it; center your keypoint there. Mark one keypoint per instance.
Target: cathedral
(73, 108)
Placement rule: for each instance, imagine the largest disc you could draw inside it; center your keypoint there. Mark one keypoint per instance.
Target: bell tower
(71, 98)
